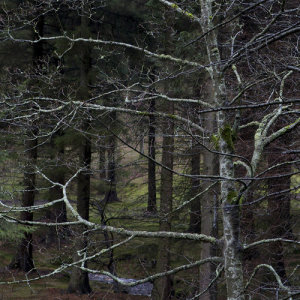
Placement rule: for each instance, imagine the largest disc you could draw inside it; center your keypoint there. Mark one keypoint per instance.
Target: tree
(246, 84)
(111, 192)
(151, 161)
(195, 213)
(79, 281)
(57, 213)
(209, 200)
(23, 259)
(162, 288)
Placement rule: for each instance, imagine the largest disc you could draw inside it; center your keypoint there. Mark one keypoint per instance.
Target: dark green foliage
(10, 232)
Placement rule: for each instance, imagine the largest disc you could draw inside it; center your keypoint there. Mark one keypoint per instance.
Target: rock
(143, 289)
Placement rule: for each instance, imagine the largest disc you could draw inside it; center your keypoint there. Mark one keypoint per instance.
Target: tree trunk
(102, 162)
(231, 215)
(279, 211)
(57, 212)
(230, 209)
(79, 280)
(195, 210)
(151, 208)
(102, 167)
(111, 193)
(23, 258)
(162, 286)
(209, 204)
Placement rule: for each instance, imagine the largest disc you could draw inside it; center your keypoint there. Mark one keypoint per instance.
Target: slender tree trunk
(209, 203)
(231, 218)
(162, 286)
(279, 212)
(151, 162)
(230, 209)
(102, 162)
(102, 167)
(195, 210)
(111, 193)
(79, 280)
(109, 241)
(57, 212)
(23, 260)
(248, 233)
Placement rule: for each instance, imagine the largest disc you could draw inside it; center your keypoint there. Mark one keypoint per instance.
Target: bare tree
(247, 84)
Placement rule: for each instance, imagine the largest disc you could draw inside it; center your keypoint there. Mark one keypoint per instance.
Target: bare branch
(157, 275)
(278, 279)
(267, 241)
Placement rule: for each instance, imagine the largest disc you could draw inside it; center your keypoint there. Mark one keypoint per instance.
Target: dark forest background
(149, 140)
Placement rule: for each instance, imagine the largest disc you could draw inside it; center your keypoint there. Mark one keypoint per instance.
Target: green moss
(189, 15)
(232, 197)
(215, 139)
(241, 200)
(228, 135)
(143, 113)
(170, 116)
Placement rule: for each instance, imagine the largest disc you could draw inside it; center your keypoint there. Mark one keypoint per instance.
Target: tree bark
(102, 166)
(111, 193)
(162, 287)
(23, 260)
(102, 163)
(57, 212)
(79, 280)
(230, 209)
(279, 211)
(231, 219)
(151, 162)
(209, 204)
(195, 209)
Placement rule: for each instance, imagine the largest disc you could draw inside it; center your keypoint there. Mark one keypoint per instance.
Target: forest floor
(55, 288)
(133, 262)
(136, 261)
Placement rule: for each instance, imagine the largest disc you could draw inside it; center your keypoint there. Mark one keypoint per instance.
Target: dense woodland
(149, 140)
